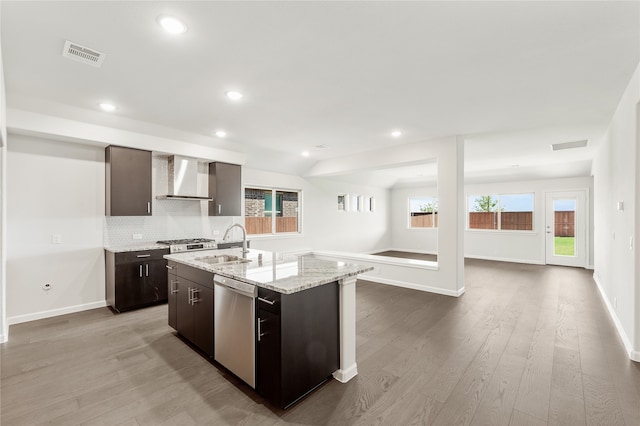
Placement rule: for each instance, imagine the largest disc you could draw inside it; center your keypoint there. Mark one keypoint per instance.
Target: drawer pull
(169, 267)
(143, 255)
(270, 302)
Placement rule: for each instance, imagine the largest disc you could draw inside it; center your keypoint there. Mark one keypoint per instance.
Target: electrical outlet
(216, 232)
(631, 243)
(56, 239)
(615, 303)
(137, 236)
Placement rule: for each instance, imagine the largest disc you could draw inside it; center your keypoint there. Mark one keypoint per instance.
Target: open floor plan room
(526, 345)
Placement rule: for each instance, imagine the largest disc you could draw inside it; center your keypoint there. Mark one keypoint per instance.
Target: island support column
(348, 367)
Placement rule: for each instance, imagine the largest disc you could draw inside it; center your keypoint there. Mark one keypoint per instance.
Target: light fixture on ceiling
(107, 107)
(172, 25)
(234, 95)
(396, 134)
(221, 133)
(305, 153)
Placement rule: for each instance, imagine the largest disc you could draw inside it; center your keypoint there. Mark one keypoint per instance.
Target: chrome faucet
(244, 237)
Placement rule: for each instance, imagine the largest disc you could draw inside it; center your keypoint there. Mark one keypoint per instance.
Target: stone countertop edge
(329, 272)
(148, 245)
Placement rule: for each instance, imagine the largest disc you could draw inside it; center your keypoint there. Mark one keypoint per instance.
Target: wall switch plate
(631, 242)
(137, 236)
(615, 303)
(216, 232)
(56, 239)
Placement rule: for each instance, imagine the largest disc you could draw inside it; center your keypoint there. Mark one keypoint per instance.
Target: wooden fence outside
(565, 224)
(522, 221)
(424, 220)
(513, 221)
(262, 225)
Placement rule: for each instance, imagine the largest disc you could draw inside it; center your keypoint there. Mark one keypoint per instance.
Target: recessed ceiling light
(233, 95)
(396, 134)
(172, 25)
(107, 107)
(305, 153)
(221, 133)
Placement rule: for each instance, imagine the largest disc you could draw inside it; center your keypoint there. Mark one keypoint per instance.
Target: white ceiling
(513, 77)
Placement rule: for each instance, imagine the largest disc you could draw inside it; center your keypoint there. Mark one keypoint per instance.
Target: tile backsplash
(119, 230)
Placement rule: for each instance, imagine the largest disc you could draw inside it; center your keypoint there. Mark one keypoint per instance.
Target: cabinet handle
(189, 290)
(143, 255)
(147, 269)
(270, 302)
(140, 271)
(149, 207)
(219, 208)
(194, 300)
(174, 290)
(260, 333)
(169, 267)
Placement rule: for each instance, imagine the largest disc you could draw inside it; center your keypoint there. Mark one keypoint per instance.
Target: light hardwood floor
(525, 345)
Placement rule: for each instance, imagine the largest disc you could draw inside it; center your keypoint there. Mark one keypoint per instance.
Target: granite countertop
(152, 245)
(140, 246)
(284, 273)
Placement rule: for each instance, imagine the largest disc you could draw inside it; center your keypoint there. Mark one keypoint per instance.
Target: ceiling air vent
(569, 145)
(83, 54)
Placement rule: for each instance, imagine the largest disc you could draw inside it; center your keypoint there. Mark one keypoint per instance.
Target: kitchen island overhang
(287, 274)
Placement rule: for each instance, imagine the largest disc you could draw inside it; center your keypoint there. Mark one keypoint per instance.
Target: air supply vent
(569, 145)
(83, 54)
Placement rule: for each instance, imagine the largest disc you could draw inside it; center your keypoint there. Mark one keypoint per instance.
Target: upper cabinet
(128, 182)
(225, 187)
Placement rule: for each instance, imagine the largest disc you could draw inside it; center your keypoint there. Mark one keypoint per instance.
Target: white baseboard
(504, 259)
(55, 312)
(633, 355)
(413, 286)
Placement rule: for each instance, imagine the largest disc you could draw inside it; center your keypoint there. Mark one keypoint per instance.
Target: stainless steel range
(189, 244)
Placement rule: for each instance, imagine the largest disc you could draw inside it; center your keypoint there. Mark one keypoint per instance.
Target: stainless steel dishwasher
(235, 327)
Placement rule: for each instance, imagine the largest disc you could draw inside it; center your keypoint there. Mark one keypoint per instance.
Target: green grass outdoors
(564, 246)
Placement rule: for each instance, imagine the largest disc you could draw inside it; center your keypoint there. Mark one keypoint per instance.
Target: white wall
(4, 326)
(616, 170)
(402, 237)
(54, 188)
(324, 227)
(525, 247)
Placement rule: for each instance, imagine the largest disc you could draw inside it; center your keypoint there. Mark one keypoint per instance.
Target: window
(423, 212)
(271, 211)
(507, 212)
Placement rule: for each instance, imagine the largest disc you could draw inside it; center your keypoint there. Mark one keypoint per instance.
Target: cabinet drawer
(140, 256)
(199, 276)
(269, 300)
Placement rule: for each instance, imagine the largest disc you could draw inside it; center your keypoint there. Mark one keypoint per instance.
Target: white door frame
(581, 230)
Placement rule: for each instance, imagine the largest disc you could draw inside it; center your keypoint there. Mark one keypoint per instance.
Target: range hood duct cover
(183, 179)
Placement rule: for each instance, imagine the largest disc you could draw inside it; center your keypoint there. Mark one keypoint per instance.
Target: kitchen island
(305, 315)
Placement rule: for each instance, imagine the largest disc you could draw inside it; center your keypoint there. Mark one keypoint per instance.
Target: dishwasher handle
(242, 288)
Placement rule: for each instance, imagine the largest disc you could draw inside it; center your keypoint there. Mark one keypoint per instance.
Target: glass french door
(565, 229)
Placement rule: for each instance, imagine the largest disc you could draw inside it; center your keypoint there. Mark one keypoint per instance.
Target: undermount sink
(222, 259)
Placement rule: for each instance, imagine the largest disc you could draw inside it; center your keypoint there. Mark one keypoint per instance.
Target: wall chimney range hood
(183, 180)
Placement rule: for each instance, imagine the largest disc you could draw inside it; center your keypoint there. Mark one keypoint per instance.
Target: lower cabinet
(191, 305)
(136, 279)
(297, 342)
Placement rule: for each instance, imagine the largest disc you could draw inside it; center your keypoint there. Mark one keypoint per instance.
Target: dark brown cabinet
(225, 187)
(191, 305)
(128, 182)
(136, 279)
(172, 293)
(297, 342)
